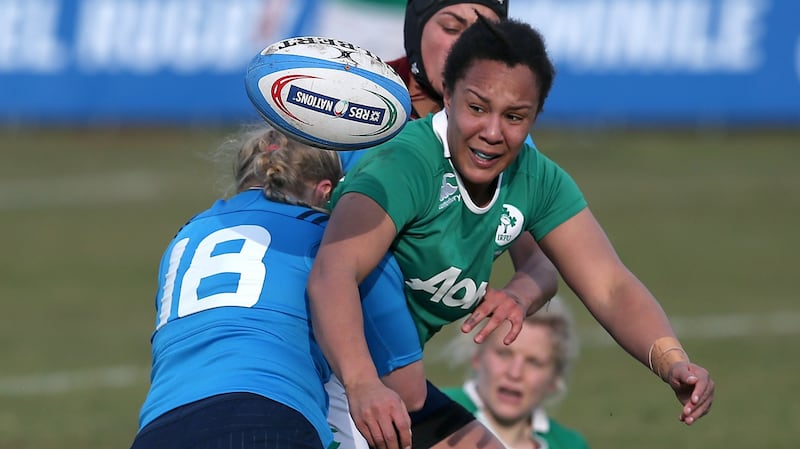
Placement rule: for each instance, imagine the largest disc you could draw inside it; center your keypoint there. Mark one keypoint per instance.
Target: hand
(380, 415)
(498, 306)
(694, 389)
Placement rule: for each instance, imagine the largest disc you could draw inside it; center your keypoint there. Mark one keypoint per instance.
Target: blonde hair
(556, 316)
(281, 166)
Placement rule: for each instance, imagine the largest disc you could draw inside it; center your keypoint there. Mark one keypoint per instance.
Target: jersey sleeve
(560, 198)
(389, 329)
(395, 178)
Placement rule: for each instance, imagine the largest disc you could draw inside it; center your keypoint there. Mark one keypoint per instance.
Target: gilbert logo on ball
(327, 93)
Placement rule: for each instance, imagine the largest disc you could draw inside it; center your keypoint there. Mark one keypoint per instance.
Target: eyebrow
(480, 97)
(460, 19)
(486, 100)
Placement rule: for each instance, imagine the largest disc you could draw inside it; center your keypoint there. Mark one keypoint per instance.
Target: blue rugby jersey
(232, 315)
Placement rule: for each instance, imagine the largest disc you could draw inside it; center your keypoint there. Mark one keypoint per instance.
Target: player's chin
(483, 175)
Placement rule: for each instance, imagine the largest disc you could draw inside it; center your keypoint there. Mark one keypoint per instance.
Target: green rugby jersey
(446, 245)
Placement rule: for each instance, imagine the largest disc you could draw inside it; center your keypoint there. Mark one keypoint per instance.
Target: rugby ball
(327, 93)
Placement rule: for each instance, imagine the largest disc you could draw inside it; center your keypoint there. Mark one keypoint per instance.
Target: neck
(421, 101)
(480, 194)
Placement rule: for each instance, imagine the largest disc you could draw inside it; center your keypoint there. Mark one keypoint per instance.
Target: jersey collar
(439, 124)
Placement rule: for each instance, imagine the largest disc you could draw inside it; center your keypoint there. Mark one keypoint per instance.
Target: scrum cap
(418, 12)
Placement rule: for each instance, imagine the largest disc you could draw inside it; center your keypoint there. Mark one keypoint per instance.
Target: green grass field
(709, 220)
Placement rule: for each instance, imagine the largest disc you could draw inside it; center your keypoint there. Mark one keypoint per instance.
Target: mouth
(483, 158)
(509, 394)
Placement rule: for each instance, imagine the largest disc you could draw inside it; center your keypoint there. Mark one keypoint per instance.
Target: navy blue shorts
(230, 421)
(438, 418)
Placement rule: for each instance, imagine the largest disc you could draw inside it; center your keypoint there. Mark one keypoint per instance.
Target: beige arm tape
(664, 352)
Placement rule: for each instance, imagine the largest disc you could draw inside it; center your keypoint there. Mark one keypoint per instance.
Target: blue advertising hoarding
(147, 61)
(183, 61)
(674, 61)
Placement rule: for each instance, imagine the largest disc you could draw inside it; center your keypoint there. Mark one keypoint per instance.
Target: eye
(517, 115)
(536, 363)
(503, 353)
(476, 108)
(451, 26)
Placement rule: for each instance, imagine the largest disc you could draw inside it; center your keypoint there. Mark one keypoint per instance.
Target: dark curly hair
(509, 41)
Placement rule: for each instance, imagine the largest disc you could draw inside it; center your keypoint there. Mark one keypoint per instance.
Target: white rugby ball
(328, 93)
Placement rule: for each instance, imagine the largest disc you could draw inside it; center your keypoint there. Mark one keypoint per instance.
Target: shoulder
(533, 166)
(253, 207)
(421, 127)
(402, 175)
(565, 437)
(415, 150)
(530, 156)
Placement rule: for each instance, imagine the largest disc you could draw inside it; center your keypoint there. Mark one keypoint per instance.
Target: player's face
(441, 31)
(513, 379)
(490, 111)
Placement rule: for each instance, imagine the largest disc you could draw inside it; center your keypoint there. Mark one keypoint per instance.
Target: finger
(389, 433)
(372, 436)
(516, 328)
(470, 323)
(403, 428)
(696, 414)
(381, 430)
(700, 404)
(379, 438)
(695, 379)
(702, 399)
(483, 310)
(488, 328)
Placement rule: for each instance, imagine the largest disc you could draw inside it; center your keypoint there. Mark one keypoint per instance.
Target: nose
(492, 131)
(515, 368)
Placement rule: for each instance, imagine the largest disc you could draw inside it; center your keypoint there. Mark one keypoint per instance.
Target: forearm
(615, 296)
(635, 319)
(626, 309)
(535, 279)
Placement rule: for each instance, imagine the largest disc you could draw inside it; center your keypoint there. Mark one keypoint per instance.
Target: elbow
(410, 384)
(551, 288)
(546, 277)
(414, 398)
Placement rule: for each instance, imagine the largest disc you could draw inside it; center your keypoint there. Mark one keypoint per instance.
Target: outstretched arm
(358, 235)
(626, 309)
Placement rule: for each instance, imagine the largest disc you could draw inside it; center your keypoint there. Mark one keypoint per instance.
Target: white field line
(67, 381)
(714, 327)
(703, 327)
(79, 190)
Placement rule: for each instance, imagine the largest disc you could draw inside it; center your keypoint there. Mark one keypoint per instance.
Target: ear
(557, 387)
(322, 191)
(476, 359)
(446, 97)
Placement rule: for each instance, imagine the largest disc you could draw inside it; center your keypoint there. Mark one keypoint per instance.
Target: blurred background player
(510, 385)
